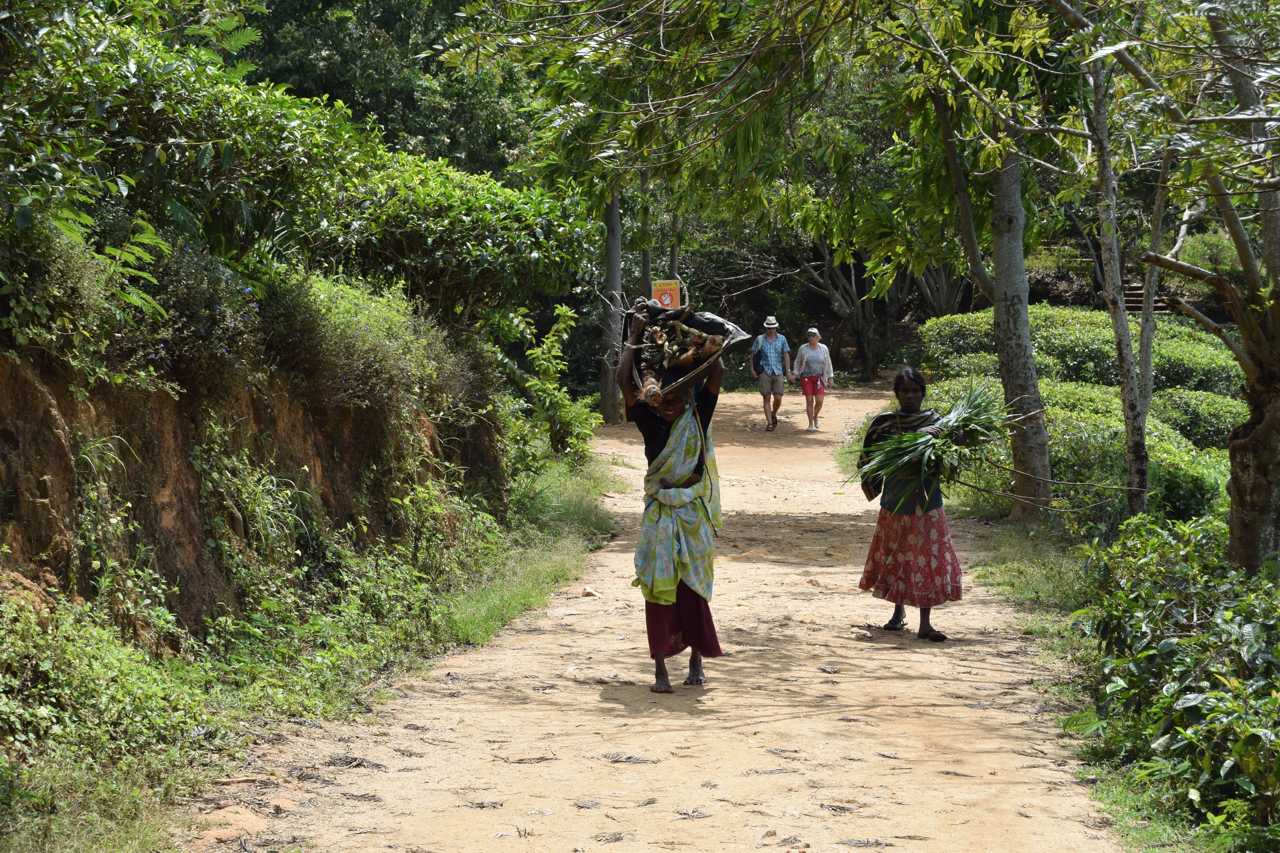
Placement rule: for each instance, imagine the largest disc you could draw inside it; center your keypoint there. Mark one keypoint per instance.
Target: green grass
(1138, 818)
(75, 798)
(530, 576)
(117, 807)
(562, 499)
(1037, 569)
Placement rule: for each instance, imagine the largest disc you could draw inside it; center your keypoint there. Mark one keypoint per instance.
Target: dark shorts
(672, 628)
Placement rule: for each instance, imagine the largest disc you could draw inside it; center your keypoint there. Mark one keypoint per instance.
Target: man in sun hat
(770, 366)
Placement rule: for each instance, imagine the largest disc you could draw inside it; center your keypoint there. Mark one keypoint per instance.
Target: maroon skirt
(675, 627)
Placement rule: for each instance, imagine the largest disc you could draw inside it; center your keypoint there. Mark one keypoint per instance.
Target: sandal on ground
(934, 636)
(771, 427)
(895, 624)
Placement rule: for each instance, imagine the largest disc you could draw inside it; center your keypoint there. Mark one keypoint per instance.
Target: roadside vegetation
(296, 399)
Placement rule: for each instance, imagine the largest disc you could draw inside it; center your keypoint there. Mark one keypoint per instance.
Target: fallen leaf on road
(863, 843)
(624, 758)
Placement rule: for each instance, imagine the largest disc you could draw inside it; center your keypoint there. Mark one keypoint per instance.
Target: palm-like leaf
(978, 417)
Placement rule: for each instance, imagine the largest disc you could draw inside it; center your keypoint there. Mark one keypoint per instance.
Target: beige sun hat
(771, 322)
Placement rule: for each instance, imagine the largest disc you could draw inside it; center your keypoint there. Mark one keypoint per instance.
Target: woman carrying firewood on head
(676, 552)
(912, 562)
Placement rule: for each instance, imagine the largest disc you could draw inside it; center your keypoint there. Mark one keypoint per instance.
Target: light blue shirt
(773, 351)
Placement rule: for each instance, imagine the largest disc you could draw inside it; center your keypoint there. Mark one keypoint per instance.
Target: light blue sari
(677, 535)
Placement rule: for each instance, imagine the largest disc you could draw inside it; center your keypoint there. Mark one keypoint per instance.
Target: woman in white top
(813, 369)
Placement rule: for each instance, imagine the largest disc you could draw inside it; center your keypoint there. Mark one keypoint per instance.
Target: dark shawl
(903, 494)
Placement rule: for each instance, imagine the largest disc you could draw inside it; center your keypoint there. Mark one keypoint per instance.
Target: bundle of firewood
(677, 346)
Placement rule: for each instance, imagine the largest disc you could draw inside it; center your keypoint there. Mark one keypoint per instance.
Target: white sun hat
(771, 322)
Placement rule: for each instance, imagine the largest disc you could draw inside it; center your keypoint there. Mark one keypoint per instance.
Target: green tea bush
(1210, 250)
(1086, 446)
(1077, 344)
(59, 297)
(1188, 683)
(463, 243)
(1206, 419)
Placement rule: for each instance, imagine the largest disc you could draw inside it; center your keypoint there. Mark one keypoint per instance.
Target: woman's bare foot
(696, 676)
(661, 681)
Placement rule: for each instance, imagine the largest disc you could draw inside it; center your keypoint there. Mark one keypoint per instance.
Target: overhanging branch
(1220, 283)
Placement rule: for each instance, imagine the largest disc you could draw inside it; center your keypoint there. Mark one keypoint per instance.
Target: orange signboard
(667, 293)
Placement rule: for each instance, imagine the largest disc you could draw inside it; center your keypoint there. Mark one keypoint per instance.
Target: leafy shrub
(1077, 344)
(1086, 446)
(457, 241)
(57, 295)
(302, 168)
(68, 679)
(347, 346)
(571, 423)
(209, 337)
(1206, 419)
(967, 364)
(1212, 250)
(1190, 671)
(1064, 259)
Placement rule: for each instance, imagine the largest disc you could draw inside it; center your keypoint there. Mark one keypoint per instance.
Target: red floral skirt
(912, 560)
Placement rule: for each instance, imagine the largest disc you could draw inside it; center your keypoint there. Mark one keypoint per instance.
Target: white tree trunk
(1007, 288)
(1030, 438)
(1135, 410)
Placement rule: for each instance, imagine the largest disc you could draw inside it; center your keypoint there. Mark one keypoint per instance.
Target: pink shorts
(813, 386)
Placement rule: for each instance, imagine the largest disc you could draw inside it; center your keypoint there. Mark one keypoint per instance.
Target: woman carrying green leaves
(911, 562)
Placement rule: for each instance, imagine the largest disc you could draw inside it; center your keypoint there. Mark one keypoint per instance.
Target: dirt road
(817, 731)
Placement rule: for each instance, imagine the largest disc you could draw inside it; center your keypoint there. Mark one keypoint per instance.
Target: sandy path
(816, 732)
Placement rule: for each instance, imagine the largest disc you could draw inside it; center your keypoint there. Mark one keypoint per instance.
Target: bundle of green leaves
(976, 418)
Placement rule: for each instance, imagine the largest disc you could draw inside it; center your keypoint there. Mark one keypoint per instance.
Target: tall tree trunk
(1254, 486)
(1030, 438)
(1135, 411)
(610, 396)
(1007, 288)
